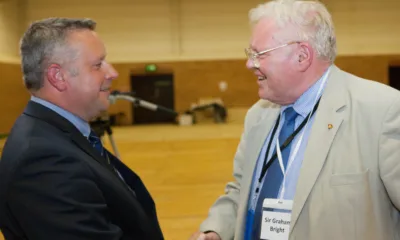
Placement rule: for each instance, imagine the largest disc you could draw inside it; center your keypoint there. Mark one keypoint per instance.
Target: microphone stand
(113, 145)
(105, 125)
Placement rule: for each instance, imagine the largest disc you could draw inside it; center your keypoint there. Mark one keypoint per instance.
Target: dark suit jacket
(55, 185)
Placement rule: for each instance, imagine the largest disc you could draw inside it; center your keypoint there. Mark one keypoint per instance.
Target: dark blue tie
(273, 178)
(96, 143)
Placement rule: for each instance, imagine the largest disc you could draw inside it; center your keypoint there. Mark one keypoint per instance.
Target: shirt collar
(305, 103)
(78, 122)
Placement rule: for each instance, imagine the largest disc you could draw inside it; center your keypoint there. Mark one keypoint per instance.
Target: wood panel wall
(199, 79)
(13, 95)
(192, 80)
(12, 18)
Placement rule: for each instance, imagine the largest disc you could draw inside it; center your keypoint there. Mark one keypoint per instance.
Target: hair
(46, 42)
(311, 20)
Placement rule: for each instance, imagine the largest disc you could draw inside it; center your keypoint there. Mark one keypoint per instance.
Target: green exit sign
(151, 68)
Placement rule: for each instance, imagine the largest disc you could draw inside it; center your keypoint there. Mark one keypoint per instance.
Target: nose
(111, 73)
(249, 64)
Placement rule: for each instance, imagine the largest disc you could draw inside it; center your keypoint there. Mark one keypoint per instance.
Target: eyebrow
(253, 48)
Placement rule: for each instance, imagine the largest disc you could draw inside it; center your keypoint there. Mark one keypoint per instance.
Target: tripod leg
(114, 146)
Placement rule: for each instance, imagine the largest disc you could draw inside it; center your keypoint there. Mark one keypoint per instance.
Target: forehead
(263, 33)
(87, 43)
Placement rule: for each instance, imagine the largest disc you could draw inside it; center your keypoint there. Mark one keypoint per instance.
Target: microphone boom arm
(142, 103)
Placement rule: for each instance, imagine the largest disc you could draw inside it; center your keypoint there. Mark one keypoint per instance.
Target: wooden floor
(184, 167)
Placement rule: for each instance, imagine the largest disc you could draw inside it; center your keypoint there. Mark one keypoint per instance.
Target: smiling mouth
(261, 78)
(105, 89)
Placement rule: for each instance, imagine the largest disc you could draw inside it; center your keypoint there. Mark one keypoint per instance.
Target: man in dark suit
(57, 180)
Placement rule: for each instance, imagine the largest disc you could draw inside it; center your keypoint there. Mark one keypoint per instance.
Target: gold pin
(330, 126)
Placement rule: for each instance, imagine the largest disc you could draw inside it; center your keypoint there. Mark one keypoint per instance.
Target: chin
(262, 94)
(104, 101)
(105, 106)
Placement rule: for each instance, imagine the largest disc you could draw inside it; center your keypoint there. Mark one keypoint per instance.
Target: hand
(205, 236)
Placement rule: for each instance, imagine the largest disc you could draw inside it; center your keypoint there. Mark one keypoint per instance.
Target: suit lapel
(38, 111)
(328, 119)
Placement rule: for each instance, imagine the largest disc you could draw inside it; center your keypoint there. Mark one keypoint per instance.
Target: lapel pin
(330, 126)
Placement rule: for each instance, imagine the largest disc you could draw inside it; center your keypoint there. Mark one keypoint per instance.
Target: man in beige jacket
(336, 172)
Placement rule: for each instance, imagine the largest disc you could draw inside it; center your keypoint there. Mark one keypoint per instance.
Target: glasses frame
(254, 56)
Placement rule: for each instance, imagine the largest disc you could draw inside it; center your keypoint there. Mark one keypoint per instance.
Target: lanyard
(266, 163)
(291, 159)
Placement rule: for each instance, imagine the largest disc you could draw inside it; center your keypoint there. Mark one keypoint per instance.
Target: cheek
(78, 87)
(278, 68)
(93, 83)
(87, 91)
(270, 65)
(99, 79)
(271, 71)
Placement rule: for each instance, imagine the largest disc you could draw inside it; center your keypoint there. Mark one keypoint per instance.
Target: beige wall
(141, 30)
(366, 26)
(158, 30)
(12, 16)
(13, 95)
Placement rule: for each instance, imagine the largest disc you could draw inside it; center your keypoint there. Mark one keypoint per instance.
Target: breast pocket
(349, 178)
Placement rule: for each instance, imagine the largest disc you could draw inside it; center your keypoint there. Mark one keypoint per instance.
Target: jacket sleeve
(223, 213)
(389, 153)
(55, 197)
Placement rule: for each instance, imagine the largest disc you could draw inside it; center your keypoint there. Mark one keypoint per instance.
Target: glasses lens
(250, 54)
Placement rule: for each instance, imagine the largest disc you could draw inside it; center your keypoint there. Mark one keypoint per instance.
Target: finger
(195, 236)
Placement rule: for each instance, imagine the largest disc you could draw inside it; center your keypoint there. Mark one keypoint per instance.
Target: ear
(55, 77)
(305, 56)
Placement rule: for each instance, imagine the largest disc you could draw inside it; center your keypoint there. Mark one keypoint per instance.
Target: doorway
(157, 89)
(394, 77)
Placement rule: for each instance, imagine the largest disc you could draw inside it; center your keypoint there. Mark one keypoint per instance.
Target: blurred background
(181, 54)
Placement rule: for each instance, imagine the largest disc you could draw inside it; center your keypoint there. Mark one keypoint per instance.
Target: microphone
(116, 92)
(114, 95)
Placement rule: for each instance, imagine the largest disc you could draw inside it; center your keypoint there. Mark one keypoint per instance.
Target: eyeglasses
(253, 55)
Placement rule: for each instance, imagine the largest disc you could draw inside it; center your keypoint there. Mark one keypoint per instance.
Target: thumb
(202, 237)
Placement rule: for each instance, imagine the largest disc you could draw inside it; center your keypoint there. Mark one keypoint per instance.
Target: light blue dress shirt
(303, 107)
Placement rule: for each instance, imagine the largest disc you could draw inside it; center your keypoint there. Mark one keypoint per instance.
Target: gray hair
(311, 19)
(43, 43)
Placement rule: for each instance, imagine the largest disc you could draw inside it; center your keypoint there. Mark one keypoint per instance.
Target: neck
(307, 79)
(60, 103)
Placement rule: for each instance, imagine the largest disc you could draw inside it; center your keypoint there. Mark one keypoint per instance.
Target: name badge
(275, 222)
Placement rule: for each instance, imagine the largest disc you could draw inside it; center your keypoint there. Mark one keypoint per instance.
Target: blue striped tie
(96, 143)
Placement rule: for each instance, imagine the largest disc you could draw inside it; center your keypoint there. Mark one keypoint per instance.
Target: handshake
(205, 236)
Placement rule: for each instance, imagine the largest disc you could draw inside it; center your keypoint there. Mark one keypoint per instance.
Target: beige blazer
(349, 183)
